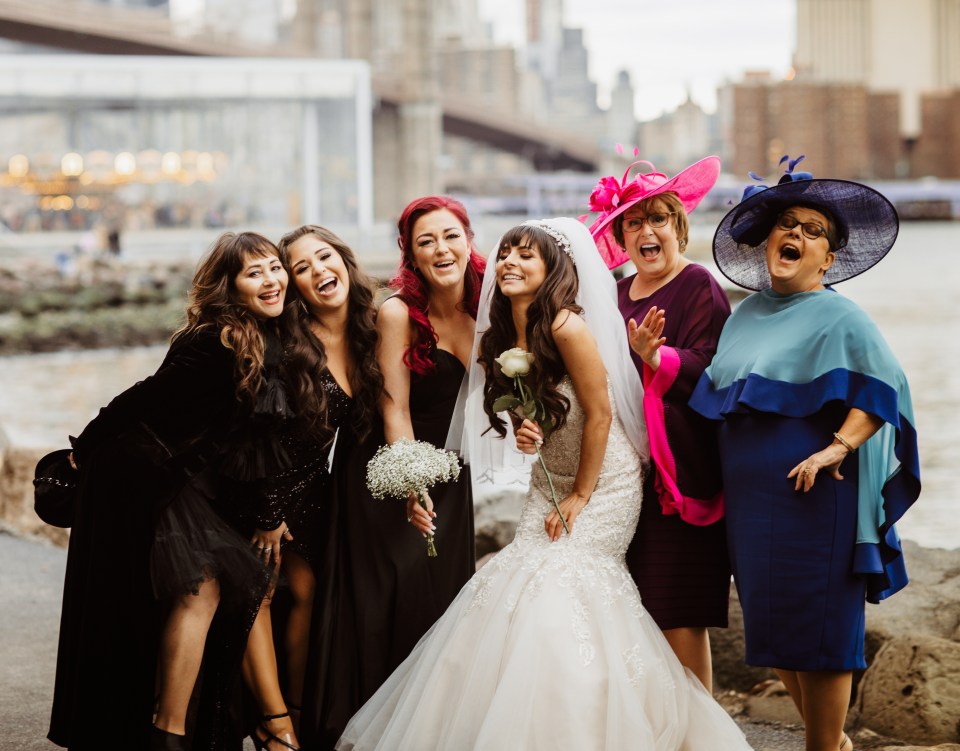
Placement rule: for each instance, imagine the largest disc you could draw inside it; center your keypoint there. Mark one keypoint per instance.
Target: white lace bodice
(607, 523)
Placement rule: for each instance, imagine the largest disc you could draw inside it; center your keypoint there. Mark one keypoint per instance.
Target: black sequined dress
(377, 591)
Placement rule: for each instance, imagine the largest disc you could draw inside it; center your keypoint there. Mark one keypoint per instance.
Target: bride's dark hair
(557, 293)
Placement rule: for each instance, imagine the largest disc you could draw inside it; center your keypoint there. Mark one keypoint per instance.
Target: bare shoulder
(393, 315)
(568, 327)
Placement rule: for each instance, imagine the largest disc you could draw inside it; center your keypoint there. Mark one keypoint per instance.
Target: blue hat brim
(865, 216)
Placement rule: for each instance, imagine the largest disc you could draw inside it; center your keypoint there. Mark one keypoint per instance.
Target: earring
(683, 245)
(303, 305)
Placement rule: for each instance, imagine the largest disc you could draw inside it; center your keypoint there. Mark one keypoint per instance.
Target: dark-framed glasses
(655, 220)
(811, 230)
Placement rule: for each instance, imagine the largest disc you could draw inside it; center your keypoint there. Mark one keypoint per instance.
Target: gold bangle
(840, 439)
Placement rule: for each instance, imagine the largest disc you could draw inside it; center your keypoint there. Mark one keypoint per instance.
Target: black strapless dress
(377, 591)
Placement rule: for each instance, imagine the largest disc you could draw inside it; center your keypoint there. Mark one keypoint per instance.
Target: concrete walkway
(31, 581)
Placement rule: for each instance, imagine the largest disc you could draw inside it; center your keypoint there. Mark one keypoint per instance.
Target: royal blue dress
(787, 371)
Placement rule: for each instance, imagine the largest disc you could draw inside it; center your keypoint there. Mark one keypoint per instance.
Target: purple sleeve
(683, 444)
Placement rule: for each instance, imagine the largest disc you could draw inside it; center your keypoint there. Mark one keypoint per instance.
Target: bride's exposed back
(548, 646)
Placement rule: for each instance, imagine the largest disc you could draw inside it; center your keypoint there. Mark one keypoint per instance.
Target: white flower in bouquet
(406, 466)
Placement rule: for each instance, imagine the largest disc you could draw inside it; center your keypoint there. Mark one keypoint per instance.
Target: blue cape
(790, 355)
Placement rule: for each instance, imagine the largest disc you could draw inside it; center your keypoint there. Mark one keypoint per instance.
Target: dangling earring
(306, 310)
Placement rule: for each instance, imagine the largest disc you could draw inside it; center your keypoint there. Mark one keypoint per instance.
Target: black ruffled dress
(146, 531)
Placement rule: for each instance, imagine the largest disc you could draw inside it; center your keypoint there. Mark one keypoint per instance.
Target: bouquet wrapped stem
(431, 547)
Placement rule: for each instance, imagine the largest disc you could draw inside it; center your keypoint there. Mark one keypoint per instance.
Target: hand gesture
(828, 459)
(529, 436)
(267, 544)
(571, 506)
(420, 517)
(646, 338)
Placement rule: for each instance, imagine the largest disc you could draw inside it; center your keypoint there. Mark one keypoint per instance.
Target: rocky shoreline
(908, 699)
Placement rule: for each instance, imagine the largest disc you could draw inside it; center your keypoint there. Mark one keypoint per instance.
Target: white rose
(515, 362)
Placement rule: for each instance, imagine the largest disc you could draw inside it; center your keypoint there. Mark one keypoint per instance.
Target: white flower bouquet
(406, 466)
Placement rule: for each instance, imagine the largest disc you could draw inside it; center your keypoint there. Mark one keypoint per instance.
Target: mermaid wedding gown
(548, 646)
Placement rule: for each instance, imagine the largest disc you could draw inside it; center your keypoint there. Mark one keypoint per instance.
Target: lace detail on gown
(547, 630)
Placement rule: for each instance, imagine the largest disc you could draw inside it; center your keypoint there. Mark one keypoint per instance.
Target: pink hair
(413, 290)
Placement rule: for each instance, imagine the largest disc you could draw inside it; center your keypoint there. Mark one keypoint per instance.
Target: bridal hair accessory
(866, 225)
(562, 240)
(612, 197)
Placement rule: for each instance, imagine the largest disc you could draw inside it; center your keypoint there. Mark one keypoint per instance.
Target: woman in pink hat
(674, 311)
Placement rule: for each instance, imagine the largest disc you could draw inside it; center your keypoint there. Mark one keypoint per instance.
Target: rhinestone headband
(562, 240)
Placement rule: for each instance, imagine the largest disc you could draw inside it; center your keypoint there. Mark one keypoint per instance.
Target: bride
(548, 645)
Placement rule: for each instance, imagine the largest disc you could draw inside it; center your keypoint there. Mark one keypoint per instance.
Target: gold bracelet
(839, 438)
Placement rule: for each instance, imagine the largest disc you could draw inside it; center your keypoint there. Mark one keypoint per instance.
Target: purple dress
(678, 556)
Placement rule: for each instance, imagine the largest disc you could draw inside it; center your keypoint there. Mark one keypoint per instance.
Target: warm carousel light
(62, 203)
(71, 164)
(205, 166)
(170, 163)
(125, 163)
(18, 165)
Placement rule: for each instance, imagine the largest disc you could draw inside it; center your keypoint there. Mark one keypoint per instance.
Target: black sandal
(261, 743)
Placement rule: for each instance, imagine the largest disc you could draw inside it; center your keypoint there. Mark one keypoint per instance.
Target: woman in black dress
(379, 592)
(331, 374)
(152, 569)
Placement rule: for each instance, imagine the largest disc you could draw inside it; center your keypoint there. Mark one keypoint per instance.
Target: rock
(911, 690)
(495, 519)
(929, 605)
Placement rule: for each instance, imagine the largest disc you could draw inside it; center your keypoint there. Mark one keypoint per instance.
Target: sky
(670, 47)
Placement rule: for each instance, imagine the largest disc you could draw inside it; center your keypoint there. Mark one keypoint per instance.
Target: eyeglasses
(655, 221)
(811, 230)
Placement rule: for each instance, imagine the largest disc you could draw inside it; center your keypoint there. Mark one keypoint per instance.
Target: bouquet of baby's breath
(404, 466)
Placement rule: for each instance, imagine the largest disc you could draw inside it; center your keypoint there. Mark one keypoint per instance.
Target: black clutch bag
(55, 489)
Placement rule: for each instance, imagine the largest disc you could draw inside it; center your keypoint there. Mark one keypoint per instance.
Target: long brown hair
(557, 293)
(305, 355)
(214, 303)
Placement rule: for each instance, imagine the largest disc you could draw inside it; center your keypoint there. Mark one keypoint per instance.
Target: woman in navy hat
(817, 439)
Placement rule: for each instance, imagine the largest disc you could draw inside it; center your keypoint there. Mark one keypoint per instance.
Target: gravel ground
(30, 590)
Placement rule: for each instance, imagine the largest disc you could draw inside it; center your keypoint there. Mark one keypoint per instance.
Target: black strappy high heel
(261, 743)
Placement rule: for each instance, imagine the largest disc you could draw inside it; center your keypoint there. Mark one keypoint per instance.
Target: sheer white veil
(498, 461)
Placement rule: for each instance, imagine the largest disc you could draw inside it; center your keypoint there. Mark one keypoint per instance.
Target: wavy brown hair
(215, 304)
(557, 293)
(305, 356)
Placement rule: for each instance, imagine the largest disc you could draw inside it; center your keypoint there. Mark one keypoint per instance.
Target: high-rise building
(886, 45)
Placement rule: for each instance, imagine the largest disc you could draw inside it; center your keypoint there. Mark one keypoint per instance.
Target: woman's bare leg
(260, 674)
(181, 652)
(302, 585)
(792, 684)
(692, 648)
(826, 698)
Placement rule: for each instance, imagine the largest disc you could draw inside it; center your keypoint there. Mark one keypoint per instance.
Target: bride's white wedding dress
(548, 646)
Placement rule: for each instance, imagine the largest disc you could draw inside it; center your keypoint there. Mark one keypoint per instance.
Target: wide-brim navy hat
(867, 227)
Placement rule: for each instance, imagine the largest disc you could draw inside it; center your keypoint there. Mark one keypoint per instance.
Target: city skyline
(757, 36)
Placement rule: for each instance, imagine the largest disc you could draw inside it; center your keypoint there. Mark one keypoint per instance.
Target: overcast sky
(669, 46)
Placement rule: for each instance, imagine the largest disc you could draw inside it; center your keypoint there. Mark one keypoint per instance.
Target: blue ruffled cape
(790, 355)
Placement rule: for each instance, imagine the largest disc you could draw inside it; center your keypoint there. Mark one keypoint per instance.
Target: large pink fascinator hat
(611, 198)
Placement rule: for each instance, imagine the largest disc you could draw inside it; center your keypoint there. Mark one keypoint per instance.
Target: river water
(913, 295)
